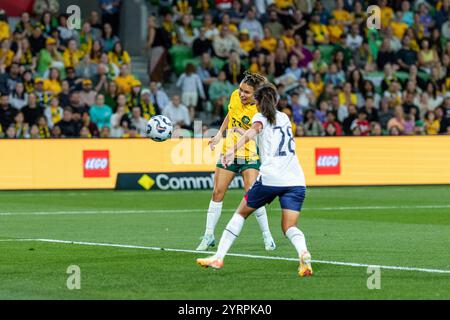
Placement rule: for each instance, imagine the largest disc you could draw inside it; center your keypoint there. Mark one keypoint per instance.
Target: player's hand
(214, 141)
(227, 158)
(238, 130)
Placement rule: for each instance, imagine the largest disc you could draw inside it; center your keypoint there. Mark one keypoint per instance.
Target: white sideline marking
(444, 206)
(251, 256)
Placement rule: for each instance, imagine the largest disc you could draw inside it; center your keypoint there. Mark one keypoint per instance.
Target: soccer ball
(159, 128)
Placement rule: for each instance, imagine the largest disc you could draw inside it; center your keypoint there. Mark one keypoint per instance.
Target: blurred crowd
(334, 75)
(57, 81)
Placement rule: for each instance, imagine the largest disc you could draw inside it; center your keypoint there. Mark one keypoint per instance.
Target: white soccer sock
(297, 238)
(212, 217)
(261, 217)
(231, 232)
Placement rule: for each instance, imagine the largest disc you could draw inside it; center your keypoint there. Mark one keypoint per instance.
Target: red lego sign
(96, 163)
(328, 161)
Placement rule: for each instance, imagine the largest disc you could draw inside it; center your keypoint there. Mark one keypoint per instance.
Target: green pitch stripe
(69, 212)
(251, 256)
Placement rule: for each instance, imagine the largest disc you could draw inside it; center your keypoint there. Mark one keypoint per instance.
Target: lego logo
(96, 164)
(327, 161)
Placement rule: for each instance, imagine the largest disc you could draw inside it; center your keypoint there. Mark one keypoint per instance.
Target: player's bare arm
(250, 134)
(216, 139)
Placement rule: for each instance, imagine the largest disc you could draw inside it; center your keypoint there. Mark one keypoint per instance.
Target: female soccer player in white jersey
(280, 176)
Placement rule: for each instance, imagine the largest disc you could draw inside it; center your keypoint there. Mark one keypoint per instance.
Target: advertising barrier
(189, 163)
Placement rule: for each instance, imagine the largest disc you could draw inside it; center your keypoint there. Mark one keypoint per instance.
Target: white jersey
(279, 163)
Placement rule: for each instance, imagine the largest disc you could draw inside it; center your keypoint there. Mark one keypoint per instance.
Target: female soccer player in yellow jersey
(241, 110)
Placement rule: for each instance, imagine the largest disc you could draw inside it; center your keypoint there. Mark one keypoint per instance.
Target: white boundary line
(350, 208)
(251, 256)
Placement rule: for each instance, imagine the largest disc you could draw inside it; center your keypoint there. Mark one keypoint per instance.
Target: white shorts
(189, 99)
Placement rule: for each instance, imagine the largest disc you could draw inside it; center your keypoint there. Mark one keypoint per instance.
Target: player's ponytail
(266, 99)
(255, 80)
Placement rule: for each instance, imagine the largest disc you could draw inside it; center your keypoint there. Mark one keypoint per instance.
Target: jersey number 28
(280, 152)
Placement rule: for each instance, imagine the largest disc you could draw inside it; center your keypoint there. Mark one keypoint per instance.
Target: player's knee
(286, 225)
(218, 195)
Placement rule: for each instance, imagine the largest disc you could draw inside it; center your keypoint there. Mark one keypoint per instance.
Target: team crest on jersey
(245, 120)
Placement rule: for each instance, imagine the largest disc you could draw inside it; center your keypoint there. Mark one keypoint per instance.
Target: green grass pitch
(386, 226)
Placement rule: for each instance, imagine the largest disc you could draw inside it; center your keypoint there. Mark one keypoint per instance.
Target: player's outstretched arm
(216, 139)
(250, 134)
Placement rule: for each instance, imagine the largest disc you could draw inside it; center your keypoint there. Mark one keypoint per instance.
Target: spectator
(369, 109)
(52, 85)
(245, 42)
(191, 87)
(274, 25)
(49, 57)
(31, 111)
(317, 30)
(57, 132)
(105, 133)
(64, 96)
(337, 78)
(210, 28)
(202, 44)
(428, 57)
(67, 125)
(158, 97)
(258, 49)
(148, 108)
(432, 125)
(397, 122)
(117, 131)
(86, 122)
(331, 126)
(361, 124)
(100, 113)
(348, 121)
(54, 112)
(137, 121)
(405, 56)
(44, 129)
(225, 42)
(87, 95)
(65, 33)
(34, 132)
(219, 92)
(85, 133)
(111, 95)
(186, 33)
(207, 71)
(108, 38)
(317, 64)
(252, 25)
(7, 112)
(234, 69)
(37, 40)
(111, 13)
(18, 98)
(124, 80)
(21, 127)
(177, 113)
(119, 56)
(311, 126)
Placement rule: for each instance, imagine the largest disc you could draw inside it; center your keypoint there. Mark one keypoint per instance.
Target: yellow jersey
(241, 116)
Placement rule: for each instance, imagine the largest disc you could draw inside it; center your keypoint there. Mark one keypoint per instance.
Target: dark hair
(266, 97)
(254, 80)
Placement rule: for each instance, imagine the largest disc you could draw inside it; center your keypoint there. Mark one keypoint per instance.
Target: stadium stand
(334, 75)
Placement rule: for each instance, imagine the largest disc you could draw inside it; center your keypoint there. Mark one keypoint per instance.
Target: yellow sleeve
(233, 101)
